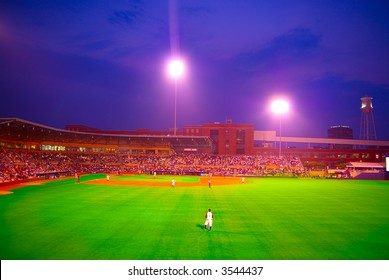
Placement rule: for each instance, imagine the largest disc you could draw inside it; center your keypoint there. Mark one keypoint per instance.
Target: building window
(342, 156)
(240, 141)
(214, 135)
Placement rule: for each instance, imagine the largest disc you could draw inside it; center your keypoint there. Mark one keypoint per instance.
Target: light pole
(280, 107)
(176, 69)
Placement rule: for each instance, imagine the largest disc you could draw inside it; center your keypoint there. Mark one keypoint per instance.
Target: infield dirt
(202, 181)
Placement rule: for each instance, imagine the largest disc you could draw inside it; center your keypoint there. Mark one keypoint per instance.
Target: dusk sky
(104, 63)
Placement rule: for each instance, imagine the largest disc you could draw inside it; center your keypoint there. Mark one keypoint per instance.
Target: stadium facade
(213, 138)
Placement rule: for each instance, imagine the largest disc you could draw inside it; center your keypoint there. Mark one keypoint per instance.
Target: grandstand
(21, 134)
(30, 150)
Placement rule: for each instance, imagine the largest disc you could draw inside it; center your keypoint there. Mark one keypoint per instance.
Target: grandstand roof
(378, 165)
(271, 136)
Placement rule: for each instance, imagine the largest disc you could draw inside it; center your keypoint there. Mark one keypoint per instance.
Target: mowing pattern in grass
(264, 218)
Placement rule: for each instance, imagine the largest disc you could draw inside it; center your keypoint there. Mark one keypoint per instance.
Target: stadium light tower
(280, 107)
(176, 70)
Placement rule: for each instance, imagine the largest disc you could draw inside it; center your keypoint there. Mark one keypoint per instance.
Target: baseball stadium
(84, 194)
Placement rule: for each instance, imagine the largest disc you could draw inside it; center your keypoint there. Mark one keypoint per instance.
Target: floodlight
(280, 106)
(176, 68)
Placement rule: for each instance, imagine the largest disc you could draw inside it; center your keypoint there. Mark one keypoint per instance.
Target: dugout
(366, 170)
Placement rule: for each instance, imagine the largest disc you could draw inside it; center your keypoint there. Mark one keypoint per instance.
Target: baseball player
(208, 219)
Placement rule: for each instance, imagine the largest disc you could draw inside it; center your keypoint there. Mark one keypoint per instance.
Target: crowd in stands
(22, 165)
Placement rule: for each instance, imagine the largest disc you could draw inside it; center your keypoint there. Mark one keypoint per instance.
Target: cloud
(331, 99)
(295, 46)
(197, 11)
(129, 16)
(297, 40)
(97, 45)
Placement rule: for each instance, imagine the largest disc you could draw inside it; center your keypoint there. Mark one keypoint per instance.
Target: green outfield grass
(264, 218)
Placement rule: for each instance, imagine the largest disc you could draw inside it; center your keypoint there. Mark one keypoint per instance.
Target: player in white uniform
(208, 219)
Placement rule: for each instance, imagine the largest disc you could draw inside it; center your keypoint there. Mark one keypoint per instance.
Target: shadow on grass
(200, 226)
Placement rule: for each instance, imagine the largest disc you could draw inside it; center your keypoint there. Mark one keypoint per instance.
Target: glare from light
(280, 106)
(176, 68)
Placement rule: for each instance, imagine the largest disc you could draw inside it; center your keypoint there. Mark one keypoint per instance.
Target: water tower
(367, 129)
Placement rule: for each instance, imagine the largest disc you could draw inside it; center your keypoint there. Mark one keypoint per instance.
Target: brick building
(228, 138)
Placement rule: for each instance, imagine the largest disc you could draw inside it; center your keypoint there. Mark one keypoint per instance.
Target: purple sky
(104, 63)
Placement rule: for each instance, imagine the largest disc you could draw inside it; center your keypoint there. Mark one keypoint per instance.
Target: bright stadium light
(280, 107)
(176, 70)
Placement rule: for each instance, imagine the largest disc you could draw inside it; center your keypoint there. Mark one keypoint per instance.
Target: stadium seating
(24, 164)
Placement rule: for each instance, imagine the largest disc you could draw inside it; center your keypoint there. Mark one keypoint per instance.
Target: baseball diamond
(141, 217)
